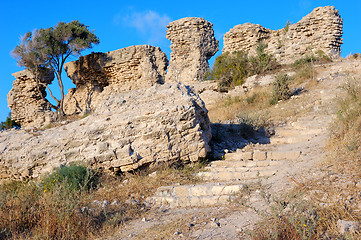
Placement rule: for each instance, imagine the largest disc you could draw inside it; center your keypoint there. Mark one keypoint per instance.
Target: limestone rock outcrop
(192, 44)
(127, 130)
(129, 68)
(25, 100)
(319, 30)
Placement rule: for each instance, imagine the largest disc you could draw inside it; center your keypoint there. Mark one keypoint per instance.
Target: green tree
(8, 124)
(230, 69)
(262, 61)
(46, 51)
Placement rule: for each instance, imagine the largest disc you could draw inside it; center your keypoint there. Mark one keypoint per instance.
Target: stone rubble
(192, 44)
(319, 30)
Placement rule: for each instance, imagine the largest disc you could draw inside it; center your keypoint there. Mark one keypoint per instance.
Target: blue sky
(120, 24)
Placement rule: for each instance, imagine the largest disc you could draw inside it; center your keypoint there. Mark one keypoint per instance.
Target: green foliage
(287, 27)
(8, 124)
(46, 50)
(73, 177)
(280, 88)
(263, 61)
(231, 69)
(356, 55)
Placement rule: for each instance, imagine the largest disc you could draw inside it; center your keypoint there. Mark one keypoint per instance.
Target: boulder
(128, 130)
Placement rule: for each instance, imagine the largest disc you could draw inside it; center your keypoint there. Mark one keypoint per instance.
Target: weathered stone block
(259, 156)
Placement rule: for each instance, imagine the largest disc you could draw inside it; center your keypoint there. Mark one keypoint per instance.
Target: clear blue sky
(120, 24)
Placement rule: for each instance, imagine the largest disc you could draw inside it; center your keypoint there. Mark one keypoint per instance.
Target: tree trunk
(61, 103)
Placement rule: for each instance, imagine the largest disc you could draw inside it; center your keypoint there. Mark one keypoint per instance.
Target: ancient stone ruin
(193, 44)
(26, 102)
(136, 119)
(319, 30)
(128, 130)
(128, 68)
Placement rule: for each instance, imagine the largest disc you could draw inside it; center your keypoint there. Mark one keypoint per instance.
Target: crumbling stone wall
(319, 30)
(192, 44)
(27, 105)
(134, 67)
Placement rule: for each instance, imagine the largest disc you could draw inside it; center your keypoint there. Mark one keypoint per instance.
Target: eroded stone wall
(192, 44)
(134, 67)
(26, 103)
(319, 30)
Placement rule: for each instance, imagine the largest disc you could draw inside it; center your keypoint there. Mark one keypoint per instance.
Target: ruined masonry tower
(193, 44)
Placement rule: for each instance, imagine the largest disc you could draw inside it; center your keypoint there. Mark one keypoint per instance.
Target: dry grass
(229, 108)
(313, 209)
(31, 210)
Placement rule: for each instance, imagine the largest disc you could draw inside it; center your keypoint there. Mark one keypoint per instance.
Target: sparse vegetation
(69, 203)
(347, 128)
(287, 27)
(304, 67)
(231, 69)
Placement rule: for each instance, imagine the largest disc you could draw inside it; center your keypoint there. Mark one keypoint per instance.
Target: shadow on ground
(233, 136)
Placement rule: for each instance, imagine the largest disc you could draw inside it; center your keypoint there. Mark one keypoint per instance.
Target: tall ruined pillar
(26, 103)
(192, 44)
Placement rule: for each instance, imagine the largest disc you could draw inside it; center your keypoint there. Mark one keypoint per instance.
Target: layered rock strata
(134, 67)
(319, 30)
(127, 130)
(25, 100)
(192, 44)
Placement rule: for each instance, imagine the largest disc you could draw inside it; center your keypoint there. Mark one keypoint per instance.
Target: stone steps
(237, 174)
(262, 155)
(289, 140)
(200, 195)
(291, 132)
(246, 164)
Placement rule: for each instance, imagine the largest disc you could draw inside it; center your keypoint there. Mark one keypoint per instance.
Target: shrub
(280, 88)
(287, 27)
(231, 69)
(356, 55)
(263, 61)
(74, 177)
(8, 124)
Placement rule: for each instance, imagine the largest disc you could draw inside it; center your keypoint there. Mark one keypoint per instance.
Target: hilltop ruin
(319, 30)
(142, 114)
